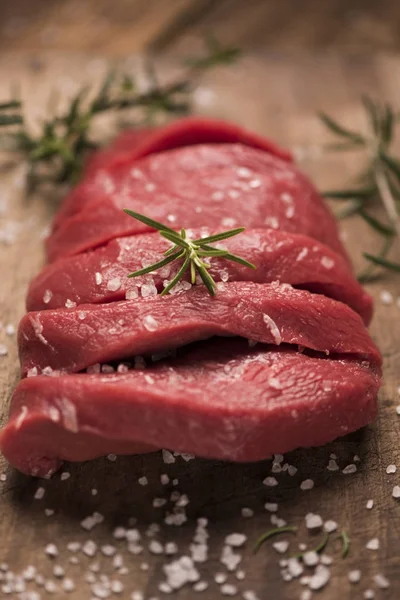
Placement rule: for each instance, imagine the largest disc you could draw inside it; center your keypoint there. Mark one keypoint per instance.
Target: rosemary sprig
(272, 533)
(190, 252)
(57, 153)
(379, 181)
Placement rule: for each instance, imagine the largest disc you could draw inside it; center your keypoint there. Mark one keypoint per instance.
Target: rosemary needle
(272, 533)
(345, 543)
(191, 252)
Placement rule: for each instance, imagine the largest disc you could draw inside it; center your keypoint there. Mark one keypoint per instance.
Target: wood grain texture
(278, 97)
(125, 26)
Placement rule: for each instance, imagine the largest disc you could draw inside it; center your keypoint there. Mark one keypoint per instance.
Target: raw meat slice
(221, 400)
(137, 143)
(219, 186)
(101, 275)
(69, 340)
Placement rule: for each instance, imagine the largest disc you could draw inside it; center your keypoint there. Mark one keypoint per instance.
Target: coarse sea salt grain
(247, 513)
(294, 567)
(320, 578)
(236, 540)
(114, 284)
(310, 558)
(98, 278)
(270, 481)
(143, 480)
(354, 576)
(381, 581)
(350, 469)
(332, 465)
(307, 484)
(70, 303)
(3, 350)
(373, 544)
(271, 506)
(396, 491)
(386, 297)
(370, 504)
(150, 323)
(51, 550)
(313, 521)
(369, 594)
(168, 457)
(281, 546)
(47, 296)
(391, 469)
(330, 526)
(39, 493)
(228, 589)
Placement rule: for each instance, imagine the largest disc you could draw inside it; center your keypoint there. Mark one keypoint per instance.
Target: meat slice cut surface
(70, 340)
(221, 400)
(100, 276)
(217, 186)
(134, 144)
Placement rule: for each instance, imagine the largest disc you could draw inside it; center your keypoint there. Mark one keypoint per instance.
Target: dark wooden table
(276, 96)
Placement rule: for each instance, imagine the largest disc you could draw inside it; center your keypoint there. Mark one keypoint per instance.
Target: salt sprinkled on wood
(307, 484)
(354, 576)
(373, 544)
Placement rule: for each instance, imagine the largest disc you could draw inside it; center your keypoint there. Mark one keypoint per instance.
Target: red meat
(217, 186)
(73, 339)
(221, 400)
(101, 275)
(137, 143)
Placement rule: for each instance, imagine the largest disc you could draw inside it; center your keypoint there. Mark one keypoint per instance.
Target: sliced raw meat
(136, 143)
(69, 340)
(100, 276)
(217, 186)
(221, 400)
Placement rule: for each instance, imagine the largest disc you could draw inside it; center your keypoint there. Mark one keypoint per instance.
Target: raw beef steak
(221, 400)
(69, 340)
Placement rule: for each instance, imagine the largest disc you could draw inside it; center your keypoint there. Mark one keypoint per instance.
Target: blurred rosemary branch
(57, 153)
(378, 183)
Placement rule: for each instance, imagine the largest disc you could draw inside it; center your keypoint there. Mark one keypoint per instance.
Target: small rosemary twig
(191, 252)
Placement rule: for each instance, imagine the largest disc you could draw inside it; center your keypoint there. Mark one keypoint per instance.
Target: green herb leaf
(177, 277)
(218, 236)
(345, 543)
(150, 222)
(10, 120)
(376, 224)
(272, 533)
(157, 265)
(338, 129)
(352, 207)
(382, 262)
(349, 194)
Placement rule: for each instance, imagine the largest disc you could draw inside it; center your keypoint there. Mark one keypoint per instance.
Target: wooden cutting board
(278, 97)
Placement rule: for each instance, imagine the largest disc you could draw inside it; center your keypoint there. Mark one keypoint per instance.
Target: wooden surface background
(276, 93)
(120, 27)
(278, 97)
